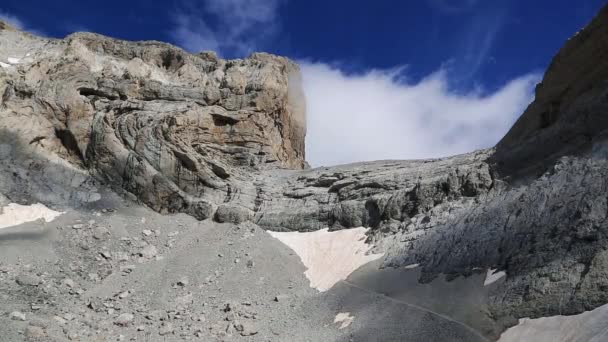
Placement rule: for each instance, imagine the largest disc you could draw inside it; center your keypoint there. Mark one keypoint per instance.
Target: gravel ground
(116, 271)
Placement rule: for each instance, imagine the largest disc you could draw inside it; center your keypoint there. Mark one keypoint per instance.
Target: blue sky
(445, 76)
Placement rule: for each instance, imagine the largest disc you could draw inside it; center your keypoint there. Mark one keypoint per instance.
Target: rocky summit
(138, 182)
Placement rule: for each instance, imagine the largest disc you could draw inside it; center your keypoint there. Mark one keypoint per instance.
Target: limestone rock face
(178, 131)
(567, 115)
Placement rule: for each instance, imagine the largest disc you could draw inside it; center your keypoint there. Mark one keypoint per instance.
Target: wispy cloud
(476, 44)
(11, 19)
(375, 115)
(231, 27)
(19, 23)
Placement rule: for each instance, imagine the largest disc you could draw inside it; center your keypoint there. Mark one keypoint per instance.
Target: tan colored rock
(178, 131)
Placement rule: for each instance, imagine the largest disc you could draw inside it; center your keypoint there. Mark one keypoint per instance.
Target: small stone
(250, 263)
(28, 280)
(34, 332)
(17, 316)
(147, 232)
(281, 298)
(78, 226)
(106, 255)
(39, 322)
(123, 295)
(149, 252)
(60, 320)
(124, 319)
(184, 301)
(121, 256)
(141, 328)
(245, 329)
(156, 315)
(69, 283)
(127, 268)
(100, 233)
(165, 329)
(183, 281)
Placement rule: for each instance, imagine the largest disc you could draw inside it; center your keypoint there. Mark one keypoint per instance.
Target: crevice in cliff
(96, 92)
(69, 142)
(223, 120)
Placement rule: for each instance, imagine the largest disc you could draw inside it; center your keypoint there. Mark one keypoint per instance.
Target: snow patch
(588, 326)
(13, 60)
(4, 65)
(329, 256)
(411, 266)
(15, 214)
(344, 318)
(493, 276)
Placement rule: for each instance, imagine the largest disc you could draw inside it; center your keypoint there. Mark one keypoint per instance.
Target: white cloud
(11, 19)
(376, 115)
(239, 26)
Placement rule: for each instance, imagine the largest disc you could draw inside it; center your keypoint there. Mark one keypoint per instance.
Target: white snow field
(329, 256)
(589, 326)
(15, 214)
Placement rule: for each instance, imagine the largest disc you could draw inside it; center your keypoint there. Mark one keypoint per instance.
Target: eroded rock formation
(180, 132)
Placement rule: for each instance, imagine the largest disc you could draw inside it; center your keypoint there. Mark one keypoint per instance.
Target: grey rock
(17, 316)
(34, 332)
(28, 280)
(245, 328)
(232, 214)
(165, 329)
(149, 252)
(124, 319)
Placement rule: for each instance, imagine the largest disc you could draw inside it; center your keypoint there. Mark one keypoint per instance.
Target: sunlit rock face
(181, 132)
(224, 140)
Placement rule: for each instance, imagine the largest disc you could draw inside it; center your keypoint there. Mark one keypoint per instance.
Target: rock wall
(566, 116)
(181, 132)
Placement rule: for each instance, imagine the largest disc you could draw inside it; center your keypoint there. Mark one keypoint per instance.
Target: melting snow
(4, 65)
(588, 326)
(329, 256)
(493, 276)
(15, 214)
(344, 318)
(13, 60)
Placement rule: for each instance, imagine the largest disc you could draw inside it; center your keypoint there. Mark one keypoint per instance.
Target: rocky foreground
(170, 166)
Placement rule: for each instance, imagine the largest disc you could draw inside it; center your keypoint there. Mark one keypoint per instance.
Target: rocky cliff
(224, 140)
(180, 132)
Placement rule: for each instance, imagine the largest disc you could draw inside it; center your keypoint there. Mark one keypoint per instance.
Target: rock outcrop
(224, 140)
(180, 132)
